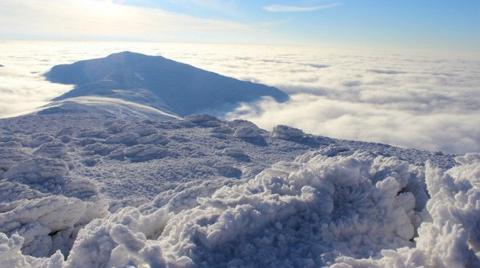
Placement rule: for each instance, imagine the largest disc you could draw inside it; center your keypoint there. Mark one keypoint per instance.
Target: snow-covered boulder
(294, 134)
(43, 174)
(49, 223)
(250, 134)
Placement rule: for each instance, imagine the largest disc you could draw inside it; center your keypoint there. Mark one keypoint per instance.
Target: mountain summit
(158, 82)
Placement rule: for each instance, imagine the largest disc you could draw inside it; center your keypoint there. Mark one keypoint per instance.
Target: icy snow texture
(104, 185)
(48, 223)
(311, 212)
(299, 214)
(451, 237)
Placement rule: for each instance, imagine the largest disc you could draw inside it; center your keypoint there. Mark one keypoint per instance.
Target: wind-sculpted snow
(311, 212)
(100, 185)
(299, 214)
(449, 237)
(49, 223)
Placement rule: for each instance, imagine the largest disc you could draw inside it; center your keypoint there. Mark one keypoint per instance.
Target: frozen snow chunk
(92, 133)
(67, 131)
(220, 136)
(9, 157)
(81, 188)
(128, 138)
(43, 174)
(155, 138)
(200, 120)
(293, 134)
(51, 150)
(145, 130)
(223, 129)
(41, 221)
(115, 127)
(228, 171)
(237, 154)
(7, 137)
(50, 176)
(117, 154)
(13, 191)
(40, 139)
(99, 149)
(10, 144)
(334, 150)
(287, 133)
(470, 158)
(142, 153)
(86, 141)
(241, 123)
(179, 138)
(203, 120)
(10, 252)
(65, 139)
(89, 162)
(251, 135)
(221, 132)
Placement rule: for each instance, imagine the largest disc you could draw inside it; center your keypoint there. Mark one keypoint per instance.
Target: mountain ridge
(159, 82)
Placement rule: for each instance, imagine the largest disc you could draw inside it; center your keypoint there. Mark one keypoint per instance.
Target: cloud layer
(423, 101)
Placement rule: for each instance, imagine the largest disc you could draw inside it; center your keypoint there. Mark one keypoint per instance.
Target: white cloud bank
(298, 8)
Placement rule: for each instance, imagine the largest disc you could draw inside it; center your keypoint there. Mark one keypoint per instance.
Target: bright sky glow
(428, 24)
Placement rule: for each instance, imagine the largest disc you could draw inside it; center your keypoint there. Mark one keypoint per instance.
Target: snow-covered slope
(99, 181)
(158, 82)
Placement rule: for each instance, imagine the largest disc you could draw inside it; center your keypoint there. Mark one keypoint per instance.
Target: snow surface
(87, 185)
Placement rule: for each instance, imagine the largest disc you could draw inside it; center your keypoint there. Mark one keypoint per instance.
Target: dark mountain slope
(158, 82)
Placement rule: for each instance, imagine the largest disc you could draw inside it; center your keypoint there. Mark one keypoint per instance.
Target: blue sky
(430, 24)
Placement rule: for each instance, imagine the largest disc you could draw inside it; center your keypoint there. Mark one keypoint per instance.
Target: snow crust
(90, 185)
(450, 235)
(358, 210)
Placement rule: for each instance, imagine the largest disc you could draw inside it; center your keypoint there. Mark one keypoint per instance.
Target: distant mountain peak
(158, 82)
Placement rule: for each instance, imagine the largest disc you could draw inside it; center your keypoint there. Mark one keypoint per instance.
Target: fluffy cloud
(451, 132)
(423, 101)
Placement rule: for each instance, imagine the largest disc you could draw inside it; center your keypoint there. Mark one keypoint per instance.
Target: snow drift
(352, 210)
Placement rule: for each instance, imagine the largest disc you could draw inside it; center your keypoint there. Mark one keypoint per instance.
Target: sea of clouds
(403, 98)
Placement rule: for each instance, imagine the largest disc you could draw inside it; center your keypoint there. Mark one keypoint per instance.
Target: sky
(449, 25)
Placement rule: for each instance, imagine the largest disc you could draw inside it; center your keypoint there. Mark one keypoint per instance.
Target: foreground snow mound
(300, 214)
(352, 210)
(451, 235)
(97, 183)
(48, 224)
